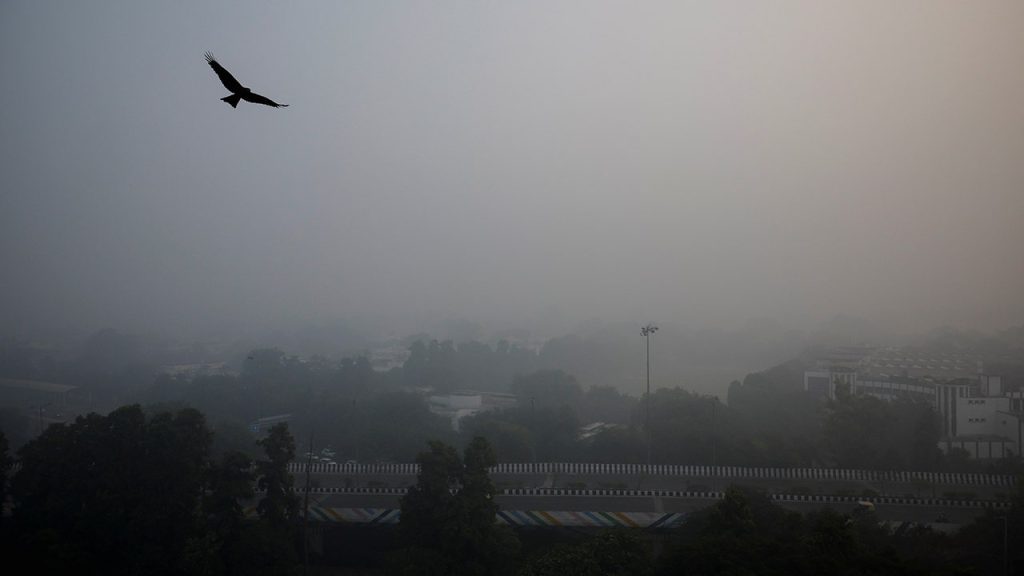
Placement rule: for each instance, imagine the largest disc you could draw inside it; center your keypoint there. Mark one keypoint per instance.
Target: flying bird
(238, 92)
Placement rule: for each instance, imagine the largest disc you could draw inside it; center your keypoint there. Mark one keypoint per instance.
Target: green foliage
(117, 492)
(448, 518)
(492, 369)
(772, 421)
(746, 534)
(606, 404)
(549, 434)
(684, 426)
(230, 483)
(428, 506)
(5, 467)
(618, 445)
(432, 366)
(548, 389)
(279, 506)
(385, 440)
(868, 433)
(512, 440)
(267, 546)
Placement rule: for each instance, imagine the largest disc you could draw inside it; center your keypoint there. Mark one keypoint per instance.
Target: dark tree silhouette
(238, 92)
(447, 521)
(5, 465)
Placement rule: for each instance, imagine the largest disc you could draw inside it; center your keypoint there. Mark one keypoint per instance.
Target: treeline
(143, 493)
(766, 420)
(447, 529)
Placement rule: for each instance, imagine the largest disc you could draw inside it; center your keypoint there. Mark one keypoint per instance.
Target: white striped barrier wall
(605, 519)
(691, 495)
(818, 474)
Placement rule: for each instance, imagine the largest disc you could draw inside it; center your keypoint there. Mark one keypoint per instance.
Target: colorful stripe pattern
(591, 519)
(510, 517)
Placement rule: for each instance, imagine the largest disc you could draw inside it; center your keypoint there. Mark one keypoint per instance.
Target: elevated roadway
(594, 495)
(797, 481)
(637, 510)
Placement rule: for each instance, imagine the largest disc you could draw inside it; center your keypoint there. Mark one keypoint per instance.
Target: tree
(381, 437)
(858, 433)
(432, 366)
(550, 434)
(682, 425)
(606, 404)
(448, 518)
(5, 466)
(484, 546)
(776, 423)
(230, 483)
(512, 441)
(268, 546)
(927, 431)
(173, 446)
(618, 445)
(279, 505)
(548, 389)
(746, 533)
(117, 493)
(428, 506)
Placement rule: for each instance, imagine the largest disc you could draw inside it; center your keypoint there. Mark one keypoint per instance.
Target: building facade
(977, 414)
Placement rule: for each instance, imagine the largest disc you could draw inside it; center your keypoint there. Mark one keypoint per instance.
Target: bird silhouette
(238, 92)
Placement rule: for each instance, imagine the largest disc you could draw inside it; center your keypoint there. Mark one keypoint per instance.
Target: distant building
(198, 369)
(15, 392)
(261, 425)
(977, 414)
(824, 382)
(1010, 424)
(947, 397)
(594, 428)
(388, 358)
(458, 405)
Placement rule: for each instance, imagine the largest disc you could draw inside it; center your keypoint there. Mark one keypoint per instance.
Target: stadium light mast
(647, 331)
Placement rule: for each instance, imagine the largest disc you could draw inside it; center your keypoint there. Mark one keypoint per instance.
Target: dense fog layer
(526, 165)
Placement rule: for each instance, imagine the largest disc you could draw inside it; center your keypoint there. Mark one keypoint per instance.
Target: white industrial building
(978, 415)
(458, 405)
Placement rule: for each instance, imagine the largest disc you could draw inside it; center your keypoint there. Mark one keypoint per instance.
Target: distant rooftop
(35, 385)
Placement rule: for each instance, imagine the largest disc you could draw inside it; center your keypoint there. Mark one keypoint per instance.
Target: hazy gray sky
(520, 162)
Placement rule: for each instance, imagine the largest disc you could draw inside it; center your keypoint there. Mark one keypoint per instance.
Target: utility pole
(714, 436)
(647, 331)
(533, 428)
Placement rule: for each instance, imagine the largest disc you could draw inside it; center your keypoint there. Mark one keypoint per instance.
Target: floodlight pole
(647, 331)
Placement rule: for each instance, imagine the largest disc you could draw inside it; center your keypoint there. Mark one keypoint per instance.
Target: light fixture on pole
(647, 331)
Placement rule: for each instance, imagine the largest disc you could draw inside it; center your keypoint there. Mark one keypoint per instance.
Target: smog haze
(526, 164)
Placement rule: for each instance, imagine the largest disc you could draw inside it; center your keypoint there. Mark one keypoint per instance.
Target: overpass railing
(822, 499)
(734, 472)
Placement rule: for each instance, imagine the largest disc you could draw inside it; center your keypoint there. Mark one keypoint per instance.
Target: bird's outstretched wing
(226, 78)
(259, 99)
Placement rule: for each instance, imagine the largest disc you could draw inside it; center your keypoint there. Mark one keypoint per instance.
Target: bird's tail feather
(233, 99)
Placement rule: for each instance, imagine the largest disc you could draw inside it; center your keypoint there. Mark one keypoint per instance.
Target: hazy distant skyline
(526, 164)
